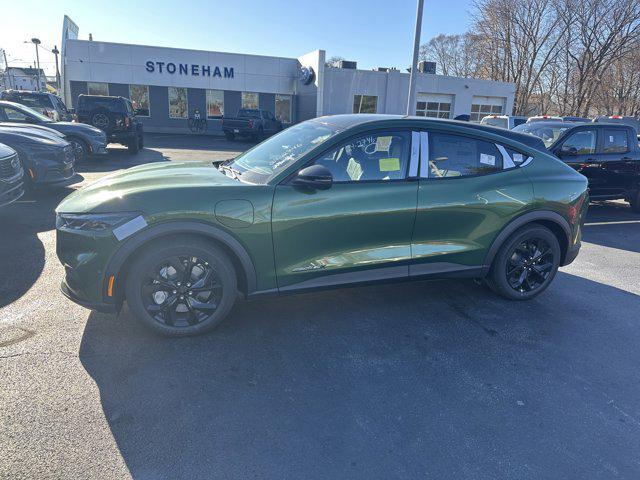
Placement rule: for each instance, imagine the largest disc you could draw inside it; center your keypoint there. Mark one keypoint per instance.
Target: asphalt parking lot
(434, 379)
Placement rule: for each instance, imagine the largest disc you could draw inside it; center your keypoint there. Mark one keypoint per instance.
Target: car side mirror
(316, 177)
(567, 151)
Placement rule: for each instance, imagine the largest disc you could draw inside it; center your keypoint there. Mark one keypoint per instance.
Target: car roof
(351, 120)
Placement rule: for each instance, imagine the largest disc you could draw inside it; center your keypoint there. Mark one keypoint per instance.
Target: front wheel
(183, 287)
(134, 145)
(526, 263)
(80, 149)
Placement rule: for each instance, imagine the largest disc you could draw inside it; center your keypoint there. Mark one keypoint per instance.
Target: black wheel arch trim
(130, 245)
(516, 223)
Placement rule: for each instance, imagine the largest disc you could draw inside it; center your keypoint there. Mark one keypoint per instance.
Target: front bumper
(97, 306)
(52, 167)
(11, 194)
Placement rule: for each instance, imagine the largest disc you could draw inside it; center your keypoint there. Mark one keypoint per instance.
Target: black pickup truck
(608, 155)
(253, 123)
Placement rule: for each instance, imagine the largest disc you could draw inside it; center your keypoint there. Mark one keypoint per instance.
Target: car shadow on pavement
(197, 142)
(119, 159)
(614, 225)
(22, 254)
(441, 379)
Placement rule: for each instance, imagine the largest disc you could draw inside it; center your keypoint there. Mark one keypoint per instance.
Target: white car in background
(503, 121)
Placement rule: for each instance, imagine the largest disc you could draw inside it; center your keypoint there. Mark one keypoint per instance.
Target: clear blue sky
(372, 32)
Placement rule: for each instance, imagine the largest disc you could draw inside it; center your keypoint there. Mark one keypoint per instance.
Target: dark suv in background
(113, 115)
(48, 104)
(608, 155)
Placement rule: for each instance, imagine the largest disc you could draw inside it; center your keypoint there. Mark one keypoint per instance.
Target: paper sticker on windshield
(487, 159)
(354, 170)
(389, 164)
(383, 144)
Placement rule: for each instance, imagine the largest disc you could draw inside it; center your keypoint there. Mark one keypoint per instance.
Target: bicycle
(197, 124)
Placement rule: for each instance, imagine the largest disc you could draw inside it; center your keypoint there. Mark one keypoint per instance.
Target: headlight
(92, 222)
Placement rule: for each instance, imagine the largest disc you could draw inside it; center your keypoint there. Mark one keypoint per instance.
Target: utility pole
(36, 42)
(411, 104)
(6, 68)
(55, 51)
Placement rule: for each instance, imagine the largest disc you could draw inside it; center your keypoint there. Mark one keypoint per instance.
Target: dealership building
(169, 85)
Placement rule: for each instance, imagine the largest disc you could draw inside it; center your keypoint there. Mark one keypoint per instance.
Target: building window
(215, 103)
(178, 107)
(139, 96)
(483, 106)
(283, 108)
(433, 109)
(365, 103)
(97, 88)
(250, 100)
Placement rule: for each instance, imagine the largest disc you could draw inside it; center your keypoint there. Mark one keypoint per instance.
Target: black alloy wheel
(526, 263)
(79, 148)
(529, 265)
(179, 287)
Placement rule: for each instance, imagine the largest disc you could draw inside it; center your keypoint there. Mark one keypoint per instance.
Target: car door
(360, 228)
(580, 150)
(469, 189)
(618, 161)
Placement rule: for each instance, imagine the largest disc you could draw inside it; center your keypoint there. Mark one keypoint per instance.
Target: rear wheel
(183, 287)
(101, 119)
(229, 135)
(526, 263)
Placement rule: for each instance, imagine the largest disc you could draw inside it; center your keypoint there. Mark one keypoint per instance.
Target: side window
(584, 142)
(615, 141)
(378, 156)
(459, 156)
(14, 115)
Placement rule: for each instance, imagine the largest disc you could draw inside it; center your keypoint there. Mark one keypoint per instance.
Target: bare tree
(453, 54)
(333, 61)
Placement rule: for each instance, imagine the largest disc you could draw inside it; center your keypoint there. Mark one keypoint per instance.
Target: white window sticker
(610, 138)
(518, 158)
(487, 159)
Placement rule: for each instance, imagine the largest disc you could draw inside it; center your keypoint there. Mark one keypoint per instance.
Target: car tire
(80, 148)
(229, 136)
(634, 202)
(167, 307)
(526, 263)
(134, 145)
(101, 119)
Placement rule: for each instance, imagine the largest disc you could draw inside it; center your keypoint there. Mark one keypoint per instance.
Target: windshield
(31, 112)
(548, 133)
(496, 122)
(267, 159)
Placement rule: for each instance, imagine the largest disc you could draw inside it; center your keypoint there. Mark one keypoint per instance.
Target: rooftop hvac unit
(347, 64)
(427, 67)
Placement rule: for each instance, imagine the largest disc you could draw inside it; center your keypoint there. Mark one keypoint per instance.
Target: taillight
(250, 123)
(127, 122)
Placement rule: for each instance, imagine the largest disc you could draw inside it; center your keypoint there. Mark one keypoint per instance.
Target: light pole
(55, 51)
(36, 42)
(414, 67)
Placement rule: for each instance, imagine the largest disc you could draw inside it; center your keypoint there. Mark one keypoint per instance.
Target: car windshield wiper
(234, 173)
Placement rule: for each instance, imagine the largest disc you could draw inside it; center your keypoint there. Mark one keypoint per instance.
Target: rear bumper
(99, 307)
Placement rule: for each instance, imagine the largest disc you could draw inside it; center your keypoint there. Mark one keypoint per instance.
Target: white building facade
(169, 85)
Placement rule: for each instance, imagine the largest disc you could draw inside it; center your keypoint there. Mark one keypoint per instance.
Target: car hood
(29, 135)
(129, 188)
(33, 128)
(69, 128)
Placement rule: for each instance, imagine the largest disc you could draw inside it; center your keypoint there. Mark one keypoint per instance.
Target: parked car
(631, 121)
(47, 104)
(115, 116)
(608, 155)
(85, 139)
(503, 121)
(329, 202)
(11, 182)
(544, 118)
(548, 131)
(249, 122)
(47, 159)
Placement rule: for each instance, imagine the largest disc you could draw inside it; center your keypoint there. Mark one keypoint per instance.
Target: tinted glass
(365, 103)
(548, 132)
(458, 156)
(374, 157)
(248, 113)
(615, 141)
(35, 101)
(13, 115)
(267, 159)
(496, 122)
(584, 142)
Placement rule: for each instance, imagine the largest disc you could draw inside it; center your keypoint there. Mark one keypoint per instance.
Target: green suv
(329, 202)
